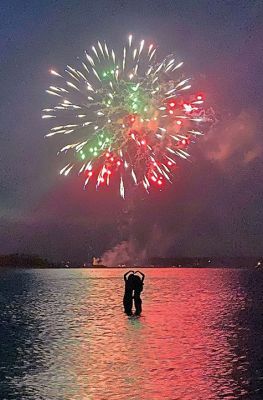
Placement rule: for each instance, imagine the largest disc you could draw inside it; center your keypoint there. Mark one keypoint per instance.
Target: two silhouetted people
(133, 289)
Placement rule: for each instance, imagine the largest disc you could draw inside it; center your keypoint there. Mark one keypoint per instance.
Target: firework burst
(127, 116)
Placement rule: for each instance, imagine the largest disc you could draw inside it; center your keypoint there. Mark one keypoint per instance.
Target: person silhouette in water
(133, 289)
(127, 298)
(138, 288)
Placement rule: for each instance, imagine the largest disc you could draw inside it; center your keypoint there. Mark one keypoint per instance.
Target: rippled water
(64, 335)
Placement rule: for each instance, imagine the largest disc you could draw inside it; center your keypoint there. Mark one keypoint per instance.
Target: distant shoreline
(126, 268)
(25, 261)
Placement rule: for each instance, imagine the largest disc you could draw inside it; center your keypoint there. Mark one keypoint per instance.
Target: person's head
(137, 283)
(130, 277)
(129, 282)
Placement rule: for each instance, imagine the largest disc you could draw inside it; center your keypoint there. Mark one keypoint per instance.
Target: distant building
(96, 261)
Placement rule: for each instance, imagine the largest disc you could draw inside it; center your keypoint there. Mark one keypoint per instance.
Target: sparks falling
(127, 116)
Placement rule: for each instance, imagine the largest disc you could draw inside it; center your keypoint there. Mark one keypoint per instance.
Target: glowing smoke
(131, 252)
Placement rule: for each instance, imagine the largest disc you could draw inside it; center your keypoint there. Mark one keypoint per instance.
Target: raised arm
(126, 274)
(141, 273)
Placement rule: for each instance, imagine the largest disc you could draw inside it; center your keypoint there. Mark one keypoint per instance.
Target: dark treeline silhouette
(35, 261)
(25, 261)
(205, 262)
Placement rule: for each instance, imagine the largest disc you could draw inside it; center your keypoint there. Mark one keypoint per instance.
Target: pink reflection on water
(184, 346)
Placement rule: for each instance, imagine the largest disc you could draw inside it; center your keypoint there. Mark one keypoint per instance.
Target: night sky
(214, 206)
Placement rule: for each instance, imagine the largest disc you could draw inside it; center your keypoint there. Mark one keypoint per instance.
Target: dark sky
(215, 205)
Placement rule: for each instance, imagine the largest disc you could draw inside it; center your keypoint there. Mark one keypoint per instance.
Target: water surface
(64, 336)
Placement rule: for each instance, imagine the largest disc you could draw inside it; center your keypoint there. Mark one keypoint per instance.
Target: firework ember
(127, 116)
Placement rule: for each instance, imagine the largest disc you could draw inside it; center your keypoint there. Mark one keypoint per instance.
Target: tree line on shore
(25, 260)
(35, 261)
